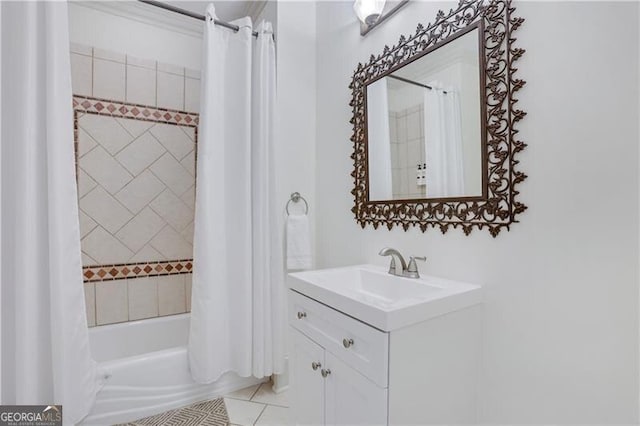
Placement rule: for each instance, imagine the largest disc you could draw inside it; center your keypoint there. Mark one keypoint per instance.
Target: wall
(135, 153)
(561, 288)
(269, 13)
(296, 104)
(132, 53)
(138, 30)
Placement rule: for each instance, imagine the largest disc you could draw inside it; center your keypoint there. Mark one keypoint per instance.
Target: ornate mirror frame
(497, 208)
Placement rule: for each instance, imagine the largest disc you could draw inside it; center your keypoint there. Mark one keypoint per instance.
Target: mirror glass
(424, 129)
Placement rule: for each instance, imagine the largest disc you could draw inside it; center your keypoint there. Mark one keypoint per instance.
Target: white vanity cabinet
(337, 381)
(306, 356)
(333, 393)
(346, 372)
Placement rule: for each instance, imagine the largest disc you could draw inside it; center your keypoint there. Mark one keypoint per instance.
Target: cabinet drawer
(369, 352)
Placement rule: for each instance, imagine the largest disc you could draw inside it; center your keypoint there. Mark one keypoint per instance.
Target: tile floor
(257, 405)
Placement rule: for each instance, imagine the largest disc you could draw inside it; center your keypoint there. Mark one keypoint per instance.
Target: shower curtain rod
(190, 14)
(406, 80)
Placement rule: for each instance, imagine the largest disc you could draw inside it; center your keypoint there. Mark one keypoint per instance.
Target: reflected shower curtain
(237, 306)
(443, 142)
(45, 345)
(380, 177)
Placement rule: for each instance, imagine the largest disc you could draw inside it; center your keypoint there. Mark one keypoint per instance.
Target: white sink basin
(387, 302)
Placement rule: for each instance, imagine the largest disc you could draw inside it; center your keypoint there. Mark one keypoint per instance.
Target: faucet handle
(412, 268)
(392, 266)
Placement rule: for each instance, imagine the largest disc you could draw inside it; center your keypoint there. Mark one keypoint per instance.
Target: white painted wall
(145, 31)
(296, 105)
(121, 27)
(269, 13)
(561, 311)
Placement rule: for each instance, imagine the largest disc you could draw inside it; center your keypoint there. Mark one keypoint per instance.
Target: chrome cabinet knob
(347, 343)
(324, 372)
(302, 315)
(315, 365)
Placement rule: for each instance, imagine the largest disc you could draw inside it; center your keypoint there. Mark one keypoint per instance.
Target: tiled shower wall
(110, 75)
(136, 182)
(407, 151)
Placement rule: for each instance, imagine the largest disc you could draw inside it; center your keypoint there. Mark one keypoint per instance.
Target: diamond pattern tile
(104, 247)
(105, 210)
(171, 244)
(106, 131)
(132, 185)
(172, 173)
(135, 127)
(173, 210)
(189, 196)
(176, 141)
(187, 233)
(141, 229)
(104, 169)
(87, 260)
(168, 269)
(86, 224)
(141, 153)
(86, 142)
(147, 252)
(189, 162)
(140, 191)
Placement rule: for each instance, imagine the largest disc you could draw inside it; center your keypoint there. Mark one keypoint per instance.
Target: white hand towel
(298, 242)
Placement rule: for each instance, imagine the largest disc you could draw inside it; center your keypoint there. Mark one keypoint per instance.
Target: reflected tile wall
(407, 152)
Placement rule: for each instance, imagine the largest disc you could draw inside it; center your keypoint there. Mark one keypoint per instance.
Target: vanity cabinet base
(431, 368)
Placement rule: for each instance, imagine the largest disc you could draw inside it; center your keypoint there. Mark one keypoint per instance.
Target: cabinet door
(307, 394)
(351, 398)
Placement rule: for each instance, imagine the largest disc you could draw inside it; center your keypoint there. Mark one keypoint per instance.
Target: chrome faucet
(410, 271)
(388, 251)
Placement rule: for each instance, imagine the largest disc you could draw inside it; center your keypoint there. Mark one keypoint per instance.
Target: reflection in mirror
(424, 126)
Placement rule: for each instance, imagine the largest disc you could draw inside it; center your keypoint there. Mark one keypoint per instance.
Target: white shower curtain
(443, 142)
(45, 347)
(269, 317)
(237, 321)
(379, 149)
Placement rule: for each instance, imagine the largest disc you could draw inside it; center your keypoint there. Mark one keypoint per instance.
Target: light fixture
(369, 11)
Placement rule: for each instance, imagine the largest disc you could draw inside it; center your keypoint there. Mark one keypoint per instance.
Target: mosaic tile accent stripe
(136, 270)
(134, 111)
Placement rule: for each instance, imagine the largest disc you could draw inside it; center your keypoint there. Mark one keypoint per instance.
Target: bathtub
(145, 370)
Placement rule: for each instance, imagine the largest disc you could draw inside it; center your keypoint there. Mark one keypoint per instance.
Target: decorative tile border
(117, 109)
(134, 111)
(111, 108)
(136, 270)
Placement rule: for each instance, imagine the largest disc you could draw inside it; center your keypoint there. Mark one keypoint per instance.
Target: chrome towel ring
(296, 197)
